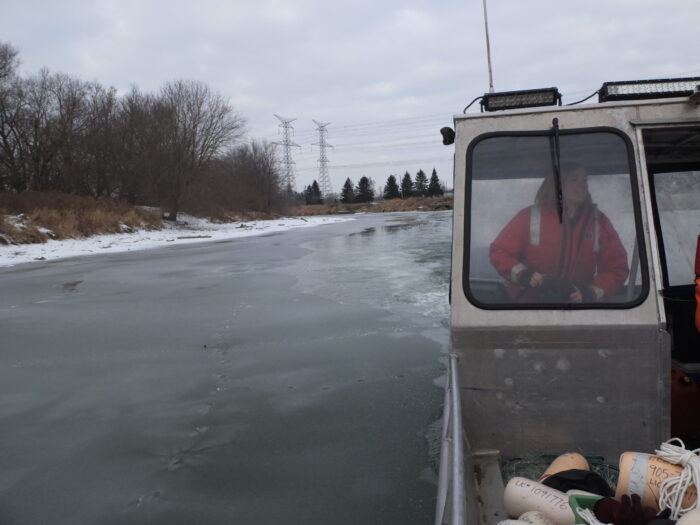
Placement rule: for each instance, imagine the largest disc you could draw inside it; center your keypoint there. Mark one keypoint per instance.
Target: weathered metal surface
(551, 390)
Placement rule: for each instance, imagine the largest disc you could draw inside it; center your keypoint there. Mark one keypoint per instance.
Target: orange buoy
(568, 461)
(642, 474)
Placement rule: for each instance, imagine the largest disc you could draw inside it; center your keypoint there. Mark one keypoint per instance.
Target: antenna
(288, 178)
(324, 180)
(488, 48)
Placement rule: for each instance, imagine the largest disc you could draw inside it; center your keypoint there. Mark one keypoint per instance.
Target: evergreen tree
(434, 188)
(406, 186)
(348, 194)
(312, 194)
(420, 187)
(290, 193)
(364, 191)
(391, 190)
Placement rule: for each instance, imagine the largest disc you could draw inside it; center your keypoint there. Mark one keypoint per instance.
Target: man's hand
(576, 296)
(536, 279)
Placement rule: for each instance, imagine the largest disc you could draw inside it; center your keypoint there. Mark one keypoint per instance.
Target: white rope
(672, 491)
(588, 516)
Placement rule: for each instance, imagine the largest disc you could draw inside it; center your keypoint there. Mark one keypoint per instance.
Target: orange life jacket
(586, 251)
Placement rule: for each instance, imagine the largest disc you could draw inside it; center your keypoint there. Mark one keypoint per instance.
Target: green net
(532, 467)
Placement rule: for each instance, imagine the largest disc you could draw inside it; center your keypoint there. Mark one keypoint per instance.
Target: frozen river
(292, 378)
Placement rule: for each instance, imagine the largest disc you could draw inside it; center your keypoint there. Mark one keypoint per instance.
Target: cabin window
(678, 205)
(542, 237)
(673, 165)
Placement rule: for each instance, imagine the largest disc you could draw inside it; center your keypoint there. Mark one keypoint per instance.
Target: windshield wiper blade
(556, 168)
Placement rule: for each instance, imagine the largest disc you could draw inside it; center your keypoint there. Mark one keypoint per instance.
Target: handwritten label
(644, 476)
(553, 498)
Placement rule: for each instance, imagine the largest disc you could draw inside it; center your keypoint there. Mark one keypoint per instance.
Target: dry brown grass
(36, 217)
(393, 205)
(11, 234)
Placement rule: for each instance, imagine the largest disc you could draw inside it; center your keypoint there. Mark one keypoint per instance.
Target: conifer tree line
(312, 194)
(421, 186)
(179, 149)
(363, 192)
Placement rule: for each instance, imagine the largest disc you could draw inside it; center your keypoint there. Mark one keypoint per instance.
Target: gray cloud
(387, 75)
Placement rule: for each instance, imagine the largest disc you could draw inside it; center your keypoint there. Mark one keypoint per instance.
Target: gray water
(288, 378)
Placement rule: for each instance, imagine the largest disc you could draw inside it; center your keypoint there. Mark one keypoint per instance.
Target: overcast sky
(385, 75)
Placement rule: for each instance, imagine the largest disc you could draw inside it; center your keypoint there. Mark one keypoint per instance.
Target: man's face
(575, 187)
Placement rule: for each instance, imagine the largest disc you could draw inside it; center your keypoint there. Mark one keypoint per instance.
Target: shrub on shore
(39, 216)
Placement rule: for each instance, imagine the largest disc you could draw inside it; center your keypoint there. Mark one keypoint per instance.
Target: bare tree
(173, 149)
(11, 106)
(36, 133)
(99, 154)
(9, 113)
(8, 61)
(69, 128)
(144, 144)
(245, 178)
(255, 170)
(203, 124)
(132, 116)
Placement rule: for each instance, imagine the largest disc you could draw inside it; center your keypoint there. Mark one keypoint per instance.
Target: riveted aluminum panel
(551, 390)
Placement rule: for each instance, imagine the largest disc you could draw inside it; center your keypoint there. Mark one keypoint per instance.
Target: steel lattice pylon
(288, 178)
(324, 180)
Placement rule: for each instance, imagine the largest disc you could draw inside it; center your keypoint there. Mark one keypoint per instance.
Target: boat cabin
(572, 288)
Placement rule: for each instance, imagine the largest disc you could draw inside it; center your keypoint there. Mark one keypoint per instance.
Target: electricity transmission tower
(324, 180)
(288, 179)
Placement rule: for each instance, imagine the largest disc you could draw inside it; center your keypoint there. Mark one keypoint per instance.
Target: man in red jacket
(579, 258)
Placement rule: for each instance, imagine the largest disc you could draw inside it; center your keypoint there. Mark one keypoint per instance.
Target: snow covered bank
(185, 230)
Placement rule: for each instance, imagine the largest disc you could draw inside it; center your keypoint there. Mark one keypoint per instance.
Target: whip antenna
(488, 48)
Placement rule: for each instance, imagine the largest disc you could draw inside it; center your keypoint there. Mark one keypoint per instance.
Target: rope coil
(672, 491)
(588, 516)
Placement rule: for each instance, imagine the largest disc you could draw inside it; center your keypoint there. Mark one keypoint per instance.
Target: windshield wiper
(556, 168)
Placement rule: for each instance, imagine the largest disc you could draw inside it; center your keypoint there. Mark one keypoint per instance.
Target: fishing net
(532, 467)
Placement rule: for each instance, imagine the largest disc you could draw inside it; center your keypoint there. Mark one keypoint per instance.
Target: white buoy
(690, 518)
(536, 518)
(523, 495)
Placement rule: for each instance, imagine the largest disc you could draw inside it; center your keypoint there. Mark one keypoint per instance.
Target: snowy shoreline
(186, 230)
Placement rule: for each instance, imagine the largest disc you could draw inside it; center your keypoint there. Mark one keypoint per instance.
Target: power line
(402, 124)
(433, 137)
(400, 162)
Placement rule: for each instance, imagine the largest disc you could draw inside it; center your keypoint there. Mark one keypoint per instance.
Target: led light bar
(643, 89)
(528, 98)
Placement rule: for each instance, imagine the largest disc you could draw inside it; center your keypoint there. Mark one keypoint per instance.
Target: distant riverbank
(185, 230)
(61, 220)
(384, 206)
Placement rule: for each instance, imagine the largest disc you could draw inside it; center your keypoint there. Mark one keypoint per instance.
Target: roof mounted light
(528, 98)
(644, 89)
